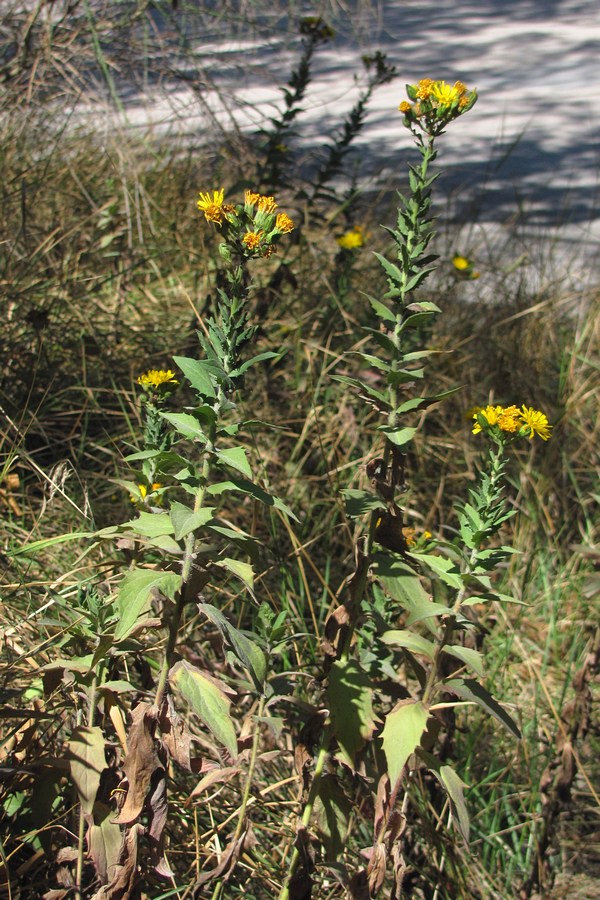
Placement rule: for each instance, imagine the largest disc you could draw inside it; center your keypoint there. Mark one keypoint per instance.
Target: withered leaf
(124, 880)
(229, 858)
(85, 754)
(176, 736)
(376, 868)
(140, 762)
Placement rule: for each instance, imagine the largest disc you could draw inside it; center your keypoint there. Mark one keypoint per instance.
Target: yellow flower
(252, 239)
(251, 198)
(534, 422)
(424, 88)
(212, 207)
(491, 414)
(352, 239)
(266, 204)
(405, 107)
(461, 263)
(155, 377)
(283, 223)
(446, 94)
(508, 420)
(144, 490)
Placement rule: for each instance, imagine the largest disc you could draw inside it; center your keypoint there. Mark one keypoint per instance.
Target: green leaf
(185, 520)
(382, 310)
(51, 542)
(349, 697)
(398, 437)
(253, 490)
(468, 689)
(87, 761)
(235, 458)
(360, 502)
(199, 375)
(135, 596)
(404, 727)
(394, 274)
(445, 569)
(455, 787)
(187, 425)
(409, 641)
(332, 813)
(208, 700)
(150, 524)
(243, 570)
(426, 609)
(471, 658)
(248, 653)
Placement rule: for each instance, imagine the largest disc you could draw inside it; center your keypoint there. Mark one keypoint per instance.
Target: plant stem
(308, 809)
(186, 572)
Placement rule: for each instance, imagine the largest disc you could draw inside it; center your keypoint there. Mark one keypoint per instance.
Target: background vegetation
(106, 271)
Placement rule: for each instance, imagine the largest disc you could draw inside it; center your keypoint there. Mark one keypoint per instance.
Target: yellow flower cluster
(154, 378)
(255, 227)
(435, 103)
(524, 422)
(464, 266)
(351, 239)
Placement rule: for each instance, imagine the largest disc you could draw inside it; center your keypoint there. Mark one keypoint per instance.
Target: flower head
(463, 266)
(447, 94)
(351, 239)
(212, 207)
(283, 223)
(534, 422)
(252, 239)
(154, 378)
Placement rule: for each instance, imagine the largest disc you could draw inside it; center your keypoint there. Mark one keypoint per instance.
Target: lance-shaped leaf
(149, 524)
(400, 436)
(349, 698)
(404, 727)
(444, 568)
(471, 658)
(209, 701)
(235, 483)
(85, 755)
(249, 654)
(243, 570)
(135, 595)
(468, 689)
(454, 787)
(409, 641)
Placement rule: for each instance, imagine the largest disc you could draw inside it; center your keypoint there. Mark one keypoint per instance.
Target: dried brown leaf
(140, 763)
(124, 880)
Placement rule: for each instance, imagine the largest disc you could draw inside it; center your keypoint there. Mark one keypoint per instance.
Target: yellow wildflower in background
(535, 422)
(461, 263)
(464, 266)
(351, 239)
(252, 239)
(284, 224)
(212, 207)
(155, 377)
(405, 107)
